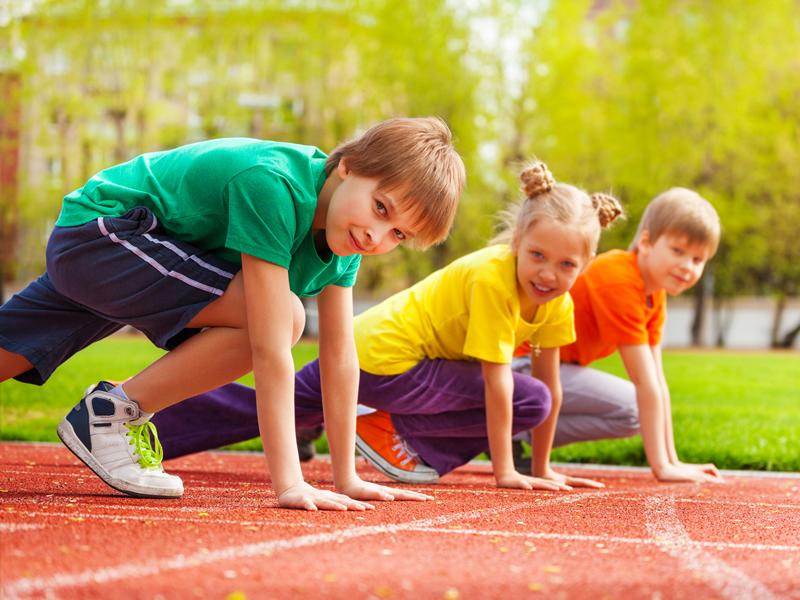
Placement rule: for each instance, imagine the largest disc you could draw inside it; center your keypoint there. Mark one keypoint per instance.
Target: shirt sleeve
(490, 325)
(262, 218)
(348, 278)
(559, 328)
(655, 326)
(620, 315)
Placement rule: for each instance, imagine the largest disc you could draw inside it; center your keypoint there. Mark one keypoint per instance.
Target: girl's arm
(643, 373)
(339, 376)
(545, 367)
(499, 390)
(268, 303)
(708, 468)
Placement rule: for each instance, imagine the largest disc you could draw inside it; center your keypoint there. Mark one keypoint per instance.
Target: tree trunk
(703, 291)
(777, 317)
(788, 340)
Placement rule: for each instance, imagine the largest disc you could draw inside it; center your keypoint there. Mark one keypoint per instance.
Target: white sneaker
(112, 436)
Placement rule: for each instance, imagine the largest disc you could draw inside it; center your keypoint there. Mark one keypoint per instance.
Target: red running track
(66, 535)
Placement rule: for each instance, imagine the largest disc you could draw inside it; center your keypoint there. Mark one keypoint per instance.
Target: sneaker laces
(402, 449)
(150, 452)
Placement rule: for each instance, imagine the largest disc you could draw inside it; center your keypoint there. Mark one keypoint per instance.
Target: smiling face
(361, 219)
(550, 256)
(672, 263)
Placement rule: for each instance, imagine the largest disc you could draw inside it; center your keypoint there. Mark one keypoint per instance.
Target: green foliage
(720, 413)
(102, 82)
(640, 97)
(627, 97)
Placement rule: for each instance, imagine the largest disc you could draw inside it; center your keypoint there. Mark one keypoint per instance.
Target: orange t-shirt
(611, 309)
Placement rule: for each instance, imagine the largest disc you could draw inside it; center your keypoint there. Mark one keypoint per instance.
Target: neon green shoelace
(150, 453)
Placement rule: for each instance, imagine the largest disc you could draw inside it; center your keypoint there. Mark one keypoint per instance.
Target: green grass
(740, 410)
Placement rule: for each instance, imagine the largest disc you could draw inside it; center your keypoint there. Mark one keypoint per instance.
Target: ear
(341, 168)
(514, 243)
(644, 243)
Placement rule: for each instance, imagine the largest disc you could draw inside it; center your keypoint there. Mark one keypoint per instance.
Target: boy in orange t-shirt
(620, 304)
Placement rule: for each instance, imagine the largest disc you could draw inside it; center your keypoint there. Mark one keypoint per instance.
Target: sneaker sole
(73, 443)
(392, 472)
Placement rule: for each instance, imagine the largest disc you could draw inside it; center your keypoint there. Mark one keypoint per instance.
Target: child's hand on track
(681, 472)
(707, 468)
(526, 482)
(366, 490)
(307, 497)
(572, 481)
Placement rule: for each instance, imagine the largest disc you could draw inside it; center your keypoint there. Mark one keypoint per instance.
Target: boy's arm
(641, 367)
(268, 303)
(669, 436)
(498, 390)
(708, 468)
(339, 376)
(546, 368)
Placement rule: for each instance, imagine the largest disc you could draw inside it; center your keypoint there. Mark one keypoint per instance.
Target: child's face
(362, 219)
(672, 263)
(550, 256)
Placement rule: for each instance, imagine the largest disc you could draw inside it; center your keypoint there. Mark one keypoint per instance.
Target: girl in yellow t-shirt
(435, 359)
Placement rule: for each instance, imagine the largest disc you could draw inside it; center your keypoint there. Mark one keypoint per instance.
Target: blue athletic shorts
(108, 273)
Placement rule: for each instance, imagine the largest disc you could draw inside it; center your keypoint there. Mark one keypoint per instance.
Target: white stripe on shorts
(152, 262)
(191, 257)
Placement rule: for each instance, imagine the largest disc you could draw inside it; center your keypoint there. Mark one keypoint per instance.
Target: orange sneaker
(380, 444)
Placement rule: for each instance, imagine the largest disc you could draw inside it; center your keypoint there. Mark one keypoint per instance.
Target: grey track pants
(595, 405)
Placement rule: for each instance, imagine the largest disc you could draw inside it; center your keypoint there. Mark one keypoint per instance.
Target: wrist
(659, 469)
(345, 482)
(283, 487)
(504, 474)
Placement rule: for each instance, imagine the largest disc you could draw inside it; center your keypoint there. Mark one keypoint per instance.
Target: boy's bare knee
(298, 319)
(12, 364)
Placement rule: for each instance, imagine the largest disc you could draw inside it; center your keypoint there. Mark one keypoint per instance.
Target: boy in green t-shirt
(206, 249)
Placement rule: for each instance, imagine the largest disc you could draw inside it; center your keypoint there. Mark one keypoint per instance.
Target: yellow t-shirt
(469, 310)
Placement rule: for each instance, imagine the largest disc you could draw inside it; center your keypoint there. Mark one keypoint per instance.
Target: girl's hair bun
(608, 208)
(536, 179)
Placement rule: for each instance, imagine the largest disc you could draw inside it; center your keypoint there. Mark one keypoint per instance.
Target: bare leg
(214, 357)
(12, 364)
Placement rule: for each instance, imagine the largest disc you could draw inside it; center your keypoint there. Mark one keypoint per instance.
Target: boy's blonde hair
(680, 211)
(561, 202)
(416, 157)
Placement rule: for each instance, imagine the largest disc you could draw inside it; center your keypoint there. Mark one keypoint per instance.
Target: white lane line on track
(664, 525)
(32, 585)
(12, 527)
(605, 539)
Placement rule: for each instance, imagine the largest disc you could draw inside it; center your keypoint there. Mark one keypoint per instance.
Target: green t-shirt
(226, 196)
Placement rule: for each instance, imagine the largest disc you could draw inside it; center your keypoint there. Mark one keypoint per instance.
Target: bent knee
(532, 402)
(627, 425)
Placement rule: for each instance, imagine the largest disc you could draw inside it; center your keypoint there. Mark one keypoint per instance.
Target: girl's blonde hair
(682, 212)
(561, 202)
(416, 157)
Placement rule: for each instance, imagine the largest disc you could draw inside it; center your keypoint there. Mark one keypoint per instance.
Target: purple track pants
(437, 407)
